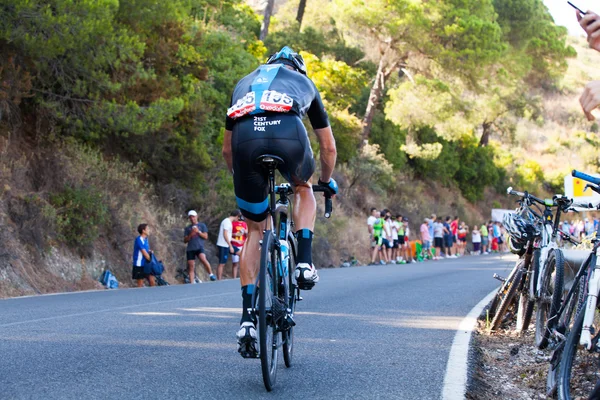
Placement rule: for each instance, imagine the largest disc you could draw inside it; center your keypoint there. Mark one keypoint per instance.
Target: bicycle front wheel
(267, 330)
(550, 297)
(578, 372)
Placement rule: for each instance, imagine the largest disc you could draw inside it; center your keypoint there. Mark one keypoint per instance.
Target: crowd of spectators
(437, 238)
(230, 240)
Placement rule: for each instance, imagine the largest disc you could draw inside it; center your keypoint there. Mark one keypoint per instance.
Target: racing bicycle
(274, 302)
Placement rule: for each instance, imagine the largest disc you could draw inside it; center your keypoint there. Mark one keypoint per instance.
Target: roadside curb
(455, 379)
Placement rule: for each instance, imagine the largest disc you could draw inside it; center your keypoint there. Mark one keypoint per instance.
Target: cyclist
(265, 117)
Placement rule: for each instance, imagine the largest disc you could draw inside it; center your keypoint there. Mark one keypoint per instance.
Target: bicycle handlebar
(327, 193)
(585, 177)
(525, 195)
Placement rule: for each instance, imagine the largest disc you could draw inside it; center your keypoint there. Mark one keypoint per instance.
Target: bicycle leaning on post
(524, 228)
(275, 300)
(578, 327)
(548, 285)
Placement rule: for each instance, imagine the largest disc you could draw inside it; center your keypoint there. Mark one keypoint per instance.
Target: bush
(80, 214)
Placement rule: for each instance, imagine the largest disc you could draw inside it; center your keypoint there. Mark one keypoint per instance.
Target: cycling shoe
(306, 276)
(247, 343)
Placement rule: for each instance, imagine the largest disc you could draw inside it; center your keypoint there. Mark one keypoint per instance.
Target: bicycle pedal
(247, 349)
(498, 277)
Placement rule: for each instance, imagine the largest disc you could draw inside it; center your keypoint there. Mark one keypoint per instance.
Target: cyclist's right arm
(320, 123)
(328, 152)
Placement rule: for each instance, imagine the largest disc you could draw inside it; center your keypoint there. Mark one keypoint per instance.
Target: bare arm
(146, 255)
(227, 153)
(328, 152)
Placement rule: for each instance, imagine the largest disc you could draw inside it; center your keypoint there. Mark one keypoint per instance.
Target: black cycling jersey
(275, 88)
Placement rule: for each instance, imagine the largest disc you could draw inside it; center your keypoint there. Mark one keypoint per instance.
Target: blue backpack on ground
(154, 267)
(109, 280)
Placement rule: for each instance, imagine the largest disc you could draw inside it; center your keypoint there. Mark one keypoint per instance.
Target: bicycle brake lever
(593, 187)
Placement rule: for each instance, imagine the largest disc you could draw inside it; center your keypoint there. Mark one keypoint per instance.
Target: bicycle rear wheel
(288, 335)
(507, 294)
(550, 297)
(267, 330)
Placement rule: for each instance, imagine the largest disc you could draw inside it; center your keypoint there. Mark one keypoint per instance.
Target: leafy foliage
(150, 81)
(79, 215)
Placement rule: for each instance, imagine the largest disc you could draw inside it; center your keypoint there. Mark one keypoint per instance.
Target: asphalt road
(377, 332)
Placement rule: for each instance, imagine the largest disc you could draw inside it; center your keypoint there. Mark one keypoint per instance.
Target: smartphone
(577, 8)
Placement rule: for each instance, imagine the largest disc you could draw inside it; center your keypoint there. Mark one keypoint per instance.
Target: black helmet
(287, 56)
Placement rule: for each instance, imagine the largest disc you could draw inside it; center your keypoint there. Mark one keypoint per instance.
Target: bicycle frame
(592, 295)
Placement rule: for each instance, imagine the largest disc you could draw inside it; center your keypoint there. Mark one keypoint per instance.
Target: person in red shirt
(238, 238)
(454, 232)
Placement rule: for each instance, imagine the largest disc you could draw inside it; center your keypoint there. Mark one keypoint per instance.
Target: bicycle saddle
(269, 161)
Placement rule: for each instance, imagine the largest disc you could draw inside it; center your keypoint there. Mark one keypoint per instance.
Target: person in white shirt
(476, 239)
(438, 238)
(224, 245)
(386, 235)
(395, 225)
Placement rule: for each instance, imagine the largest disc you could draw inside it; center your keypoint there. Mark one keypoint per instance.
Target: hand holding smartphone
(590, 22)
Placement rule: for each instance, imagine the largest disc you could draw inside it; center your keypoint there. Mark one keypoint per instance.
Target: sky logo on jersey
(272, 100)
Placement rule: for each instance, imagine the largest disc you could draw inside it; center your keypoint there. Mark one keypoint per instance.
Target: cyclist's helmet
(521, 228)
(287, 56)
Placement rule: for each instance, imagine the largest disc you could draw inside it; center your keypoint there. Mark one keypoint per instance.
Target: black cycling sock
(247, 292)
(304, 237)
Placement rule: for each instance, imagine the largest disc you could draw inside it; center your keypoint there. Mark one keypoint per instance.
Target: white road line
(455, 380)
(114, 309)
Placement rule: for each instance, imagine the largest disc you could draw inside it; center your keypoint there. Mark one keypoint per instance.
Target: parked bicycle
(548, 283)
(524, 229)
(577, 329)
(275, 300)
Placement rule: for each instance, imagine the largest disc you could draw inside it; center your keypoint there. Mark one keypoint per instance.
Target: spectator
(370, 222)
(476, 240)
(407, 248)
(377, 238)
(461, 234)
(194, 235)
(448, 241)
(224, 245)
(141, 255)
(401, 240)
(432, 220)
(396, 248)
(238, 238)
(595, 224)
(498, 236)
(484, 239)
(438, 238)
(386, 235)
(454, 232)
(590, 99)
(425, 238)
(589, 227)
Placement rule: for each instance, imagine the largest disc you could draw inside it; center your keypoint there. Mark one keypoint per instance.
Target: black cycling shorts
(281, 135)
